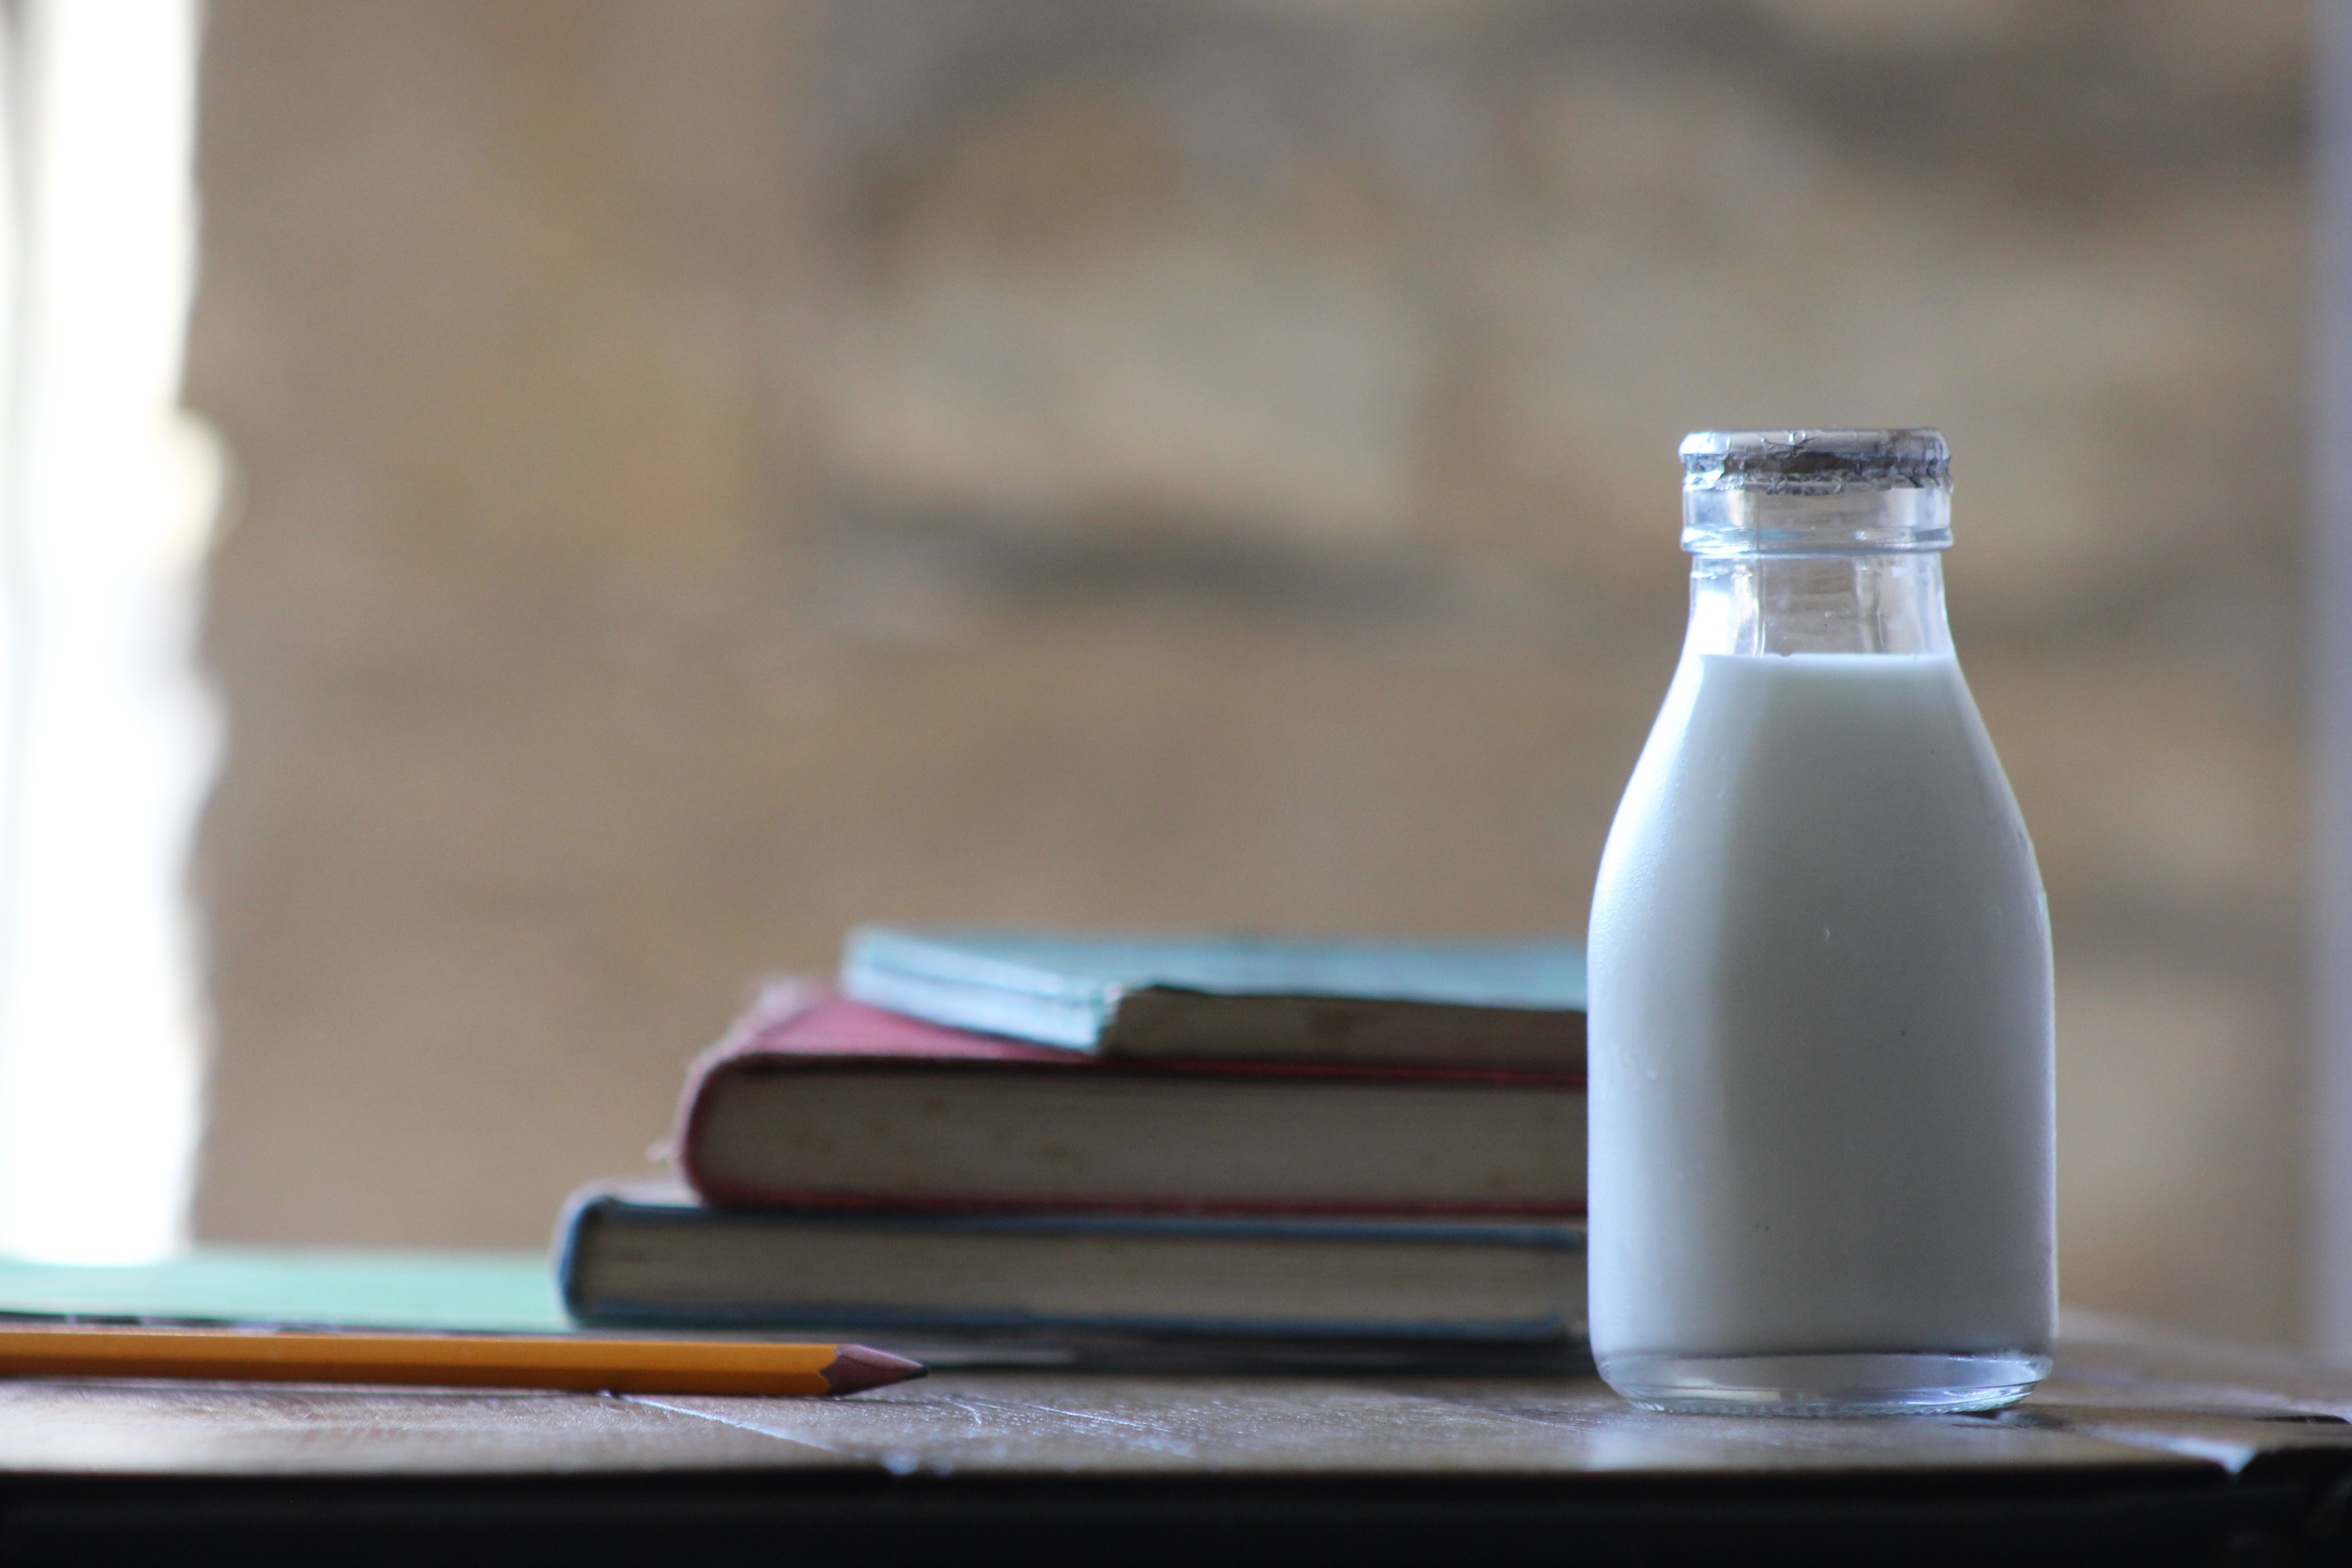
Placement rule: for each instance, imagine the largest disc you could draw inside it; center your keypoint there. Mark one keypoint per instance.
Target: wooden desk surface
(2177, 1450)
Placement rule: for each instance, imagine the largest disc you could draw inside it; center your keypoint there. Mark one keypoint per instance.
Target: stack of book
(1024, 1140)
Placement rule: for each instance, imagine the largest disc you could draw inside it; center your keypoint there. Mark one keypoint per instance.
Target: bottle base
(1853, 1383)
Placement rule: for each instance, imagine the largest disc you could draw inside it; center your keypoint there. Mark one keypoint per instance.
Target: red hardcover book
(813, 1101)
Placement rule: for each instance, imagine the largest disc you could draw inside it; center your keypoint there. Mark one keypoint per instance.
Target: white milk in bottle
(1819, 968)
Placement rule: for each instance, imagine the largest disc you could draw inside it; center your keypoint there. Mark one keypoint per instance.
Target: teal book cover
(1317, 999)
(355, 1287)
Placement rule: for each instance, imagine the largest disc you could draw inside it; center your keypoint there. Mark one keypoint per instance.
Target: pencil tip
(855, 1367)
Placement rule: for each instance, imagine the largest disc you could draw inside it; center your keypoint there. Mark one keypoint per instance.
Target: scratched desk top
(2142, 1449)
(2169, 1409)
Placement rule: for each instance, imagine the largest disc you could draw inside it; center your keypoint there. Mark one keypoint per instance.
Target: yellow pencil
(449, 1360)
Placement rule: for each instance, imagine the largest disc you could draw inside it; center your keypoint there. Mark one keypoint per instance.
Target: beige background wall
(712, 471)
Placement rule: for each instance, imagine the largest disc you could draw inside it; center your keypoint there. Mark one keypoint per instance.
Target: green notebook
(335, 1287)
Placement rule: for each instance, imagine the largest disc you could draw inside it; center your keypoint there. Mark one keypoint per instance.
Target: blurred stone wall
(712, 471)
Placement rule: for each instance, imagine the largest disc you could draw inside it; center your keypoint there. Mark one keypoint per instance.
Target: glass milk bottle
(1819, 1007)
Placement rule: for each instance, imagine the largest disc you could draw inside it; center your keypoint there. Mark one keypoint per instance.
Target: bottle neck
(1855, 602)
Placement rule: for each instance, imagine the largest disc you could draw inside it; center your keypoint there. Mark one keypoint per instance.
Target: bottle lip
(1816, 462)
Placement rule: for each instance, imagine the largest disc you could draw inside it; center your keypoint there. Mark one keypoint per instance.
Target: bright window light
(106, 738)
